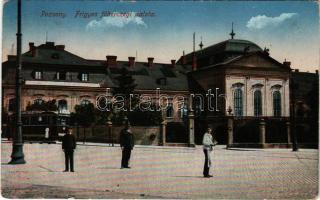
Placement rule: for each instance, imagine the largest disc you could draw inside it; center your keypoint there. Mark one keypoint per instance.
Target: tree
(43, 106)
(125, 87)
(145, 118)
(84, 115)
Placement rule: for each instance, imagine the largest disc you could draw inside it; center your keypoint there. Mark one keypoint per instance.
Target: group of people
(127, 143)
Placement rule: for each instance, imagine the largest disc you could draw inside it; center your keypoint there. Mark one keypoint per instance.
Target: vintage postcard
(159, 99)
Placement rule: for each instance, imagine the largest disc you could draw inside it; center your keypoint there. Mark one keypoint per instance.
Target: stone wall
(143, 135)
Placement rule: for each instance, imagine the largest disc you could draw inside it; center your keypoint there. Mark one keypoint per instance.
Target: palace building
(254, 102)
(52, 73)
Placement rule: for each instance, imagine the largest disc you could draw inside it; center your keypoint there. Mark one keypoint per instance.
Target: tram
(40, 125)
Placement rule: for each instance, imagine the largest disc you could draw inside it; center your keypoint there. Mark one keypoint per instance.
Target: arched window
(85, 102)
(170, 110)
(62, 106)
(276, 104)
(38, 101)
(257, 103)
(183, 111)
(238, 105)
(12, 104)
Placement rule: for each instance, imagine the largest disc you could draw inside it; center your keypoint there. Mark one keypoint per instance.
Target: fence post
(191, 129)
(262, 126)
(230, 132)
(288, 125)
(163, 133)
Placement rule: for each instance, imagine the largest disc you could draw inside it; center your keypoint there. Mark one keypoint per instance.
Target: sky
(290, 29)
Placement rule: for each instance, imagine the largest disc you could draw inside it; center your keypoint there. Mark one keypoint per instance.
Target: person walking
(126, 144)
(208, 143)
(69, 145)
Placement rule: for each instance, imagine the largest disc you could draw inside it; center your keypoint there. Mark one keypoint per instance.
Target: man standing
(126, 143)
(68, 146)
(208, 143)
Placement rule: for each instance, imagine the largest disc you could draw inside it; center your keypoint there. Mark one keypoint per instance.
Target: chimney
(150, 61)
(296, 70)
(50, 44)
(287, 64)
(111, 61)
(194, 62)
(317, 71)
(173, 63)
(131, 61)
(60, 47)
(31, 46)
(183, 59)
(32, 49)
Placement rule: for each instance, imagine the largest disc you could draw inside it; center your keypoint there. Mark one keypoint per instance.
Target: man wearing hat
(68, 145)
(126, 144)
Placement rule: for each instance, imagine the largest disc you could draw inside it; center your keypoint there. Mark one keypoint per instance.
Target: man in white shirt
(208, 143)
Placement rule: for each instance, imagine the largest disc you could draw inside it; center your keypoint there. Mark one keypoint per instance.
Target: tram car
(41, 126)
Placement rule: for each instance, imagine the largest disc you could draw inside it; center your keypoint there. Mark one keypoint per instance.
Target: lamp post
(17, 156)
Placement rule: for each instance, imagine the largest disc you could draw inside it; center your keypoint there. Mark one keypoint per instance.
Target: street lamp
(17, 156)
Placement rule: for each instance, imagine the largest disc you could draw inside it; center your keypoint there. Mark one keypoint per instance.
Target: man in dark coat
(126, 143)
(69, 145)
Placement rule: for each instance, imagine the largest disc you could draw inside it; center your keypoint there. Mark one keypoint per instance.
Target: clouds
(4, 1)
(116, 20)
(263, 21)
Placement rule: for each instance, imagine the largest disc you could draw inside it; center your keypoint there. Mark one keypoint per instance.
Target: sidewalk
(161, 172)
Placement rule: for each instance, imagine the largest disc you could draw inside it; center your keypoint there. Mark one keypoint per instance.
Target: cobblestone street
(160, 172)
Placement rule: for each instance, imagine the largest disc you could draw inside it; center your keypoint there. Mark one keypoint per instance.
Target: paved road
(161, 173)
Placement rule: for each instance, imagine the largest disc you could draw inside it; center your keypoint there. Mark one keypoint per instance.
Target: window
(170, 110)
(276, 104)
(162, 81)
(61, 76)
(238, 107)
(12, 104)
(38, 75)
(38, 101)
(85, 102)
(62, 106)
(257, 103)
(55, 56)
(84, 77)
(183, 112)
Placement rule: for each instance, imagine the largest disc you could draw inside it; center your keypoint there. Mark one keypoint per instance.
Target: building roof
(234, 46)
(252, 60)
(51, 58)
(49, 53)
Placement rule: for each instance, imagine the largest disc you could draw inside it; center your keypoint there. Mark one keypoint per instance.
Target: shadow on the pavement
(189, 176)
(243, 149)
(49, 170)
(108, 168)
